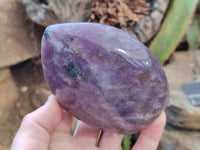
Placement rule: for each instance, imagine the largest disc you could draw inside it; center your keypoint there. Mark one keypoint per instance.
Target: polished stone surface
(103, 76)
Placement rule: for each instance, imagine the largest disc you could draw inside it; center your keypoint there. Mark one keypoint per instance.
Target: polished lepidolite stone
(103, 76)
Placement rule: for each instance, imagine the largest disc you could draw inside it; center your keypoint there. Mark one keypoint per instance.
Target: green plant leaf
(126, 142)
(192, 35)
(173, 28)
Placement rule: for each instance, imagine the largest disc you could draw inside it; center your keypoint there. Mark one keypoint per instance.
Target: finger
(86, 132)
(110, 141)
(65, 123)
(60, 137)
(150, 136)
(34, 132)
(47, 117)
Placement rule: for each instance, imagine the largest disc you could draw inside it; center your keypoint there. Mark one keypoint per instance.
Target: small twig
(100, 134)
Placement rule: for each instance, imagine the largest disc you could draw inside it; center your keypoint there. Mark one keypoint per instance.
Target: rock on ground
(9, 96)
(56, 11)
(148, 26)
(31, 84)
(184, 68)
(180, 140)
(32, 91)
(20, 39)
(8, 91)
(39, 97)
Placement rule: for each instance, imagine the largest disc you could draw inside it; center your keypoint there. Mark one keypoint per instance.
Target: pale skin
(48, 127)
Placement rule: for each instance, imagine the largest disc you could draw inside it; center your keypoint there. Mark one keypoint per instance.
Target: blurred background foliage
(175, 25)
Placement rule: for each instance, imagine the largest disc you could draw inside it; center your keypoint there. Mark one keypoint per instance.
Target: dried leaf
(119, 13)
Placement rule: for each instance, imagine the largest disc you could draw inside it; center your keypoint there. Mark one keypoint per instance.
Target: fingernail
(49, 100)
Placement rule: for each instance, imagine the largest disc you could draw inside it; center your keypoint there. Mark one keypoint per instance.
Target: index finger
(150, 136)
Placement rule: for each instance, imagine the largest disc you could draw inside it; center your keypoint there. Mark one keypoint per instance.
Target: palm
(48, 128)
(62, 141)
(85, 137)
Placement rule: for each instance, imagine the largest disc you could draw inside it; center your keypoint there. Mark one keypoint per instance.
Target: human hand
(48, 127)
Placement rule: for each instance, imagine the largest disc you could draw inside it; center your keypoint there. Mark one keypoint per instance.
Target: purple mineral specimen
(103, 76)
